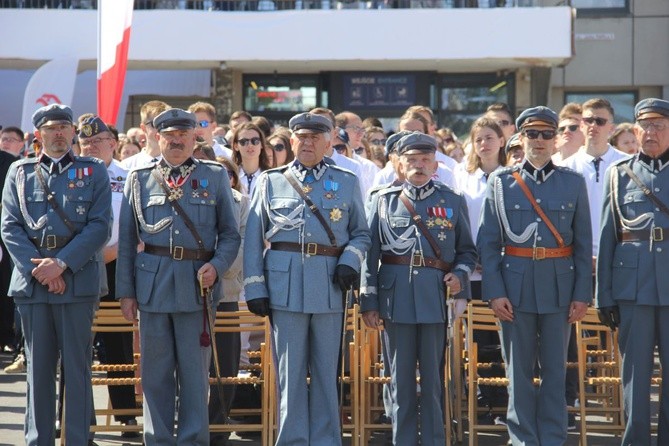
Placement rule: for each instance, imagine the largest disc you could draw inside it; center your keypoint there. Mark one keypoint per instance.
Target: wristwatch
(61, 264)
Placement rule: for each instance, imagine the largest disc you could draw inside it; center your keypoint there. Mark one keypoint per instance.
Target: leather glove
(259, 307)
(609, 316)
(345, 277)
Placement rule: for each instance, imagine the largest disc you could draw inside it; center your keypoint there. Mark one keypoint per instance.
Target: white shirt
(244, 180)
(473, 186)
(353, 166)
(140, 159)
(387, 175)
(369, 169)
(221, 150)
(384, 176)
(582, 163)
(117, 176)
(445, 160)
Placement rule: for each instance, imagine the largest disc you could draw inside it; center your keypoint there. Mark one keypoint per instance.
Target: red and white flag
(114, 20)
(52, 83)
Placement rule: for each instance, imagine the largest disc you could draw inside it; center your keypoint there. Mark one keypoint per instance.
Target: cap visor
(176, 127)
(56, 122)
(305, 131)
(649, 115)
(538, 123)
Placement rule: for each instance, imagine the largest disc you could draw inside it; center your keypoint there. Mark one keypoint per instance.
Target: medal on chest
(440, 217)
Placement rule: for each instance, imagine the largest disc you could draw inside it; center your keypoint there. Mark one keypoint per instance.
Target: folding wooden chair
(261, 375)
(109, 319)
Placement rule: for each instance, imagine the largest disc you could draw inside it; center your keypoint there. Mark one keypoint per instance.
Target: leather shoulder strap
(644, 188)
(421, 226)
(179, 210)
(52, 201)
(537, 208)
(312, 207)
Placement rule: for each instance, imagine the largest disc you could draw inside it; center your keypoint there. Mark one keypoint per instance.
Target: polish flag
(114, 20)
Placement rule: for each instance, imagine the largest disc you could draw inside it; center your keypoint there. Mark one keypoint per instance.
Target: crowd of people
(540, 215)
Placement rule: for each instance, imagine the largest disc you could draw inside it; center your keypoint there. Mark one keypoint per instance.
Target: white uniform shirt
(140, 159)
(244, 180)
(353, 166)
(221, 150)
(583, 163)
(117, 176)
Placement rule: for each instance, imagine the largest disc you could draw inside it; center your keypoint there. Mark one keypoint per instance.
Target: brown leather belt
(539, 253)
(179, 252)
(50, 241)
(643, 235)
(416, 260)
(312, 249)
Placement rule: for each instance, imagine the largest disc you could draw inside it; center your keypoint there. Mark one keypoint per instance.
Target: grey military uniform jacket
(159, 283)
(294, 281)
(80, 185)
(536, 286)
(410, 294)
(634, 271)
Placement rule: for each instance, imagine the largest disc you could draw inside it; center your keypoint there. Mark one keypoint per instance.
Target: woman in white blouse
(248, 153)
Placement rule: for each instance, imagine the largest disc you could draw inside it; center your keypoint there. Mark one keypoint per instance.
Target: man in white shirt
(352, 124)
(205, 114)
(150, 153)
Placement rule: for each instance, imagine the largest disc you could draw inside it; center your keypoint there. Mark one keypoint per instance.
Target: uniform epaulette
(629, 159)
(445, 187)
(379, 187)
(506, 170)
(211, 163)
(144, 167)
(568, 170)
(342, 169)
(88, 159)
(277, 169)
(32, 160)
(390, 189)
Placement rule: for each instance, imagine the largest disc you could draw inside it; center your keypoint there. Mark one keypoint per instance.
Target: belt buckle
(312, 249)
(51, 242)
(538, 253)
(178, 253)
(418, 259)
(658, 234)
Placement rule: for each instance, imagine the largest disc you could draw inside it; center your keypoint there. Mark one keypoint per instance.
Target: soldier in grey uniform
(632, 282)
(537, 276)
(180, 211)
(56, 216)
(408, 291)
(311, 215)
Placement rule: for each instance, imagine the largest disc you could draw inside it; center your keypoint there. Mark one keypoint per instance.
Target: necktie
(249, 179)
(597, 161)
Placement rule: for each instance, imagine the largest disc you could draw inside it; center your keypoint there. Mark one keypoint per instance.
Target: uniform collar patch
(418, 193)
(302, 172)
(538, 174)
(655, 163)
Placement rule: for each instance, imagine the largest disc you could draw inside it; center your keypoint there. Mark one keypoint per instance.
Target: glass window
(264, 93)
(599, 4)
(463, 99)
(622, 102)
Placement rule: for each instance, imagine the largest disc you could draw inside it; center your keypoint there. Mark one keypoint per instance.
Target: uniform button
(49, 227)
(538, 182)
(621, 263)
(50, 210)
(415, 273)
(659, 249)
(309, 234)
(308, 215)
(562, 206)
(81, 198)
(538, 200)
(539, 238)
(571, 267)
(517, 206)
(30, 198)
(176, 231)
(657, 209)
(307, 255)
(203, 201)
(142, 264)
(562, 217)
(538, 219)
(657, 189)
(507, 265)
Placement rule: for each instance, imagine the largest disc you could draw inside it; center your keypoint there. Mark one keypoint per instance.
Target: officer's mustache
(176, 145)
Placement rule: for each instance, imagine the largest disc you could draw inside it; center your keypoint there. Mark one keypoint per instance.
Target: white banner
(52, 83)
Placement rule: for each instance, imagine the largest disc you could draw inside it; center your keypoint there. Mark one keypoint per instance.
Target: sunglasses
(244, 141)
(279, 147)
(378, 142)
(340, 148)
(503, 123)
(534, 134)
(204, 124)
(571, 128)
(592, 119)
(359, 150)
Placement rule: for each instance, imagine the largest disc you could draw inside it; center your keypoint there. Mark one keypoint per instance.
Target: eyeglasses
(244, 141)
(9, 139)
(149, 124)
(92, 141)
(231, 174)
(204, 123)
(279, 147)
(340, 148)
(55, 128)
(571, 128)
(448, 140)
(378, 142)
(359, 150)
(355, 128)
(649, 125)
(534, 134)
(503, 123)
(593, 119)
